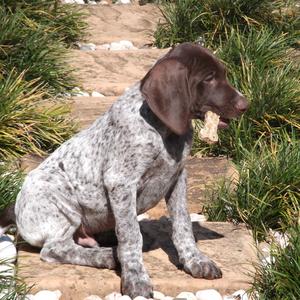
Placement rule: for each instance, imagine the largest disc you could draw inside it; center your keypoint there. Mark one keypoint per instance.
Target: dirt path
(110, 73)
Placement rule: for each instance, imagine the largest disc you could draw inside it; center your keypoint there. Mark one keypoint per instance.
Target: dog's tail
(7, 218)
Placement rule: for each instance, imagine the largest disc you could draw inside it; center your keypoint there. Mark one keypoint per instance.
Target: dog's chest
(156, 182)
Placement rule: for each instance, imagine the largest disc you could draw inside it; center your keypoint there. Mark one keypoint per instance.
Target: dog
(123, 165)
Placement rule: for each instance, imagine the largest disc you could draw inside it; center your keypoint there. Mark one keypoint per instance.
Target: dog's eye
(209, 77)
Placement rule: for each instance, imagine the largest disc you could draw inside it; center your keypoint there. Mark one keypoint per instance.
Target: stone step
(110, 72)
(85, 110)
(122, 22)
(230, 246)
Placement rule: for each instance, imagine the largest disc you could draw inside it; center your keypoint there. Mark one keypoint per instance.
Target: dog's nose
(242, 104)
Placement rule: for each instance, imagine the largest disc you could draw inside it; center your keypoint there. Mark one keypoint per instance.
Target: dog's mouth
(223, 122)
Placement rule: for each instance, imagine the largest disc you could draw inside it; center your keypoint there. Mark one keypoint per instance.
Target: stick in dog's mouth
(209, 133)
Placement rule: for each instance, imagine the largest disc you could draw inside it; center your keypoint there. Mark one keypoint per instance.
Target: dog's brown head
(186, 83)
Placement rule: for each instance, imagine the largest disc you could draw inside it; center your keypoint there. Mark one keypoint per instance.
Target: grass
(268, 192)
(29, 123)
(210, 20)
(43, 56)
(279, 280)
(10, 183)
(62, 22)
(11, 286)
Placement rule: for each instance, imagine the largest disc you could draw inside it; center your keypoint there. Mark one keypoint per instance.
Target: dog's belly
(98, 217)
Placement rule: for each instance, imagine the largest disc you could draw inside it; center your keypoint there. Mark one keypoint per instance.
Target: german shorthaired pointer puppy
(123, 165)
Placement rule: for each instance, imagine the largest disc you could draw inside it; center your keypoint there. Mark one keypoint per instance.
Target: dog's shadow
(157, 234)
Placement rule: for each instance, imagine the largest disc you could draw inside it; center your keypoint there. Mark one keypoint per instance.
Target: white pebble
(266, 261)
(7, 270)
(209, 294)
(97, 94)
(4, 293)
(104, 46)
(241, 294)
(140, 218)
(121, 45)
(93, 2)
(168, 298)
(127, 44)
(8, 251)
(280, 238)
(197, 217)
(79, 93)
(158, 295)
(87, 47)
(124, 297)
(47, 295)
(29, 297)
(140, 298)
(92, 297)
(187, 295)
(123, 2)
(79, 1)
(113, 296)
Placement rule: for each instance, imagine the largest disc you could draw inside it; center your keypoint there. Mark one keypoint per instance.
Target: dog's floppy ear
(166, 90)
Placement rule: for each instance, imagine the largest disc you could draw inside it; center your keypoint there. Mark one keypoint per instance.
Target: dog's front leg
(135, 280)
(194, 262)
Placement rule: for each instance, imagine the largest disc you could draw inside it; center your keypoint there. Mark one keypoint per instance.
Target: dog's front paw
(203, 267)
(136, 285)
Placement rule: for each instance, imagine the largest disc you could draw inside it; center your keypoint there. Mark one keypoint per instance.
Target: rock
(103, 2)
(123, 2)
(97, 94)
(87, 47)
(209, 294)
(121, 45)
(158, 295)
(113, 296)
(79, 93)
(187, 296)
(140, 298)
(240, 295)
(281, 239)
(104, 46)
(8, 251)
(93, 2)
(197, 217)
(47, 295)
(143, 217)
(29, 297)
(168, 298)
(127, 44)
(7, 270)
(4, 293)
(268, 260)
(124, 297)
(79, 1)
(92, 297)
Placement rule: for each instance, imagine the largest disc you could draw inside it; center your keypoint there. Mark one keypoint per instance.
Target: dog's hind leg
(65, 250)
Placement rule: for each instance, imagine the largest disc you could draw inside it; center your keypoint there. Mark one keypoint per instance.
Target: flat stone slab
(111, 72)
(113, 23)
(230, 246)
